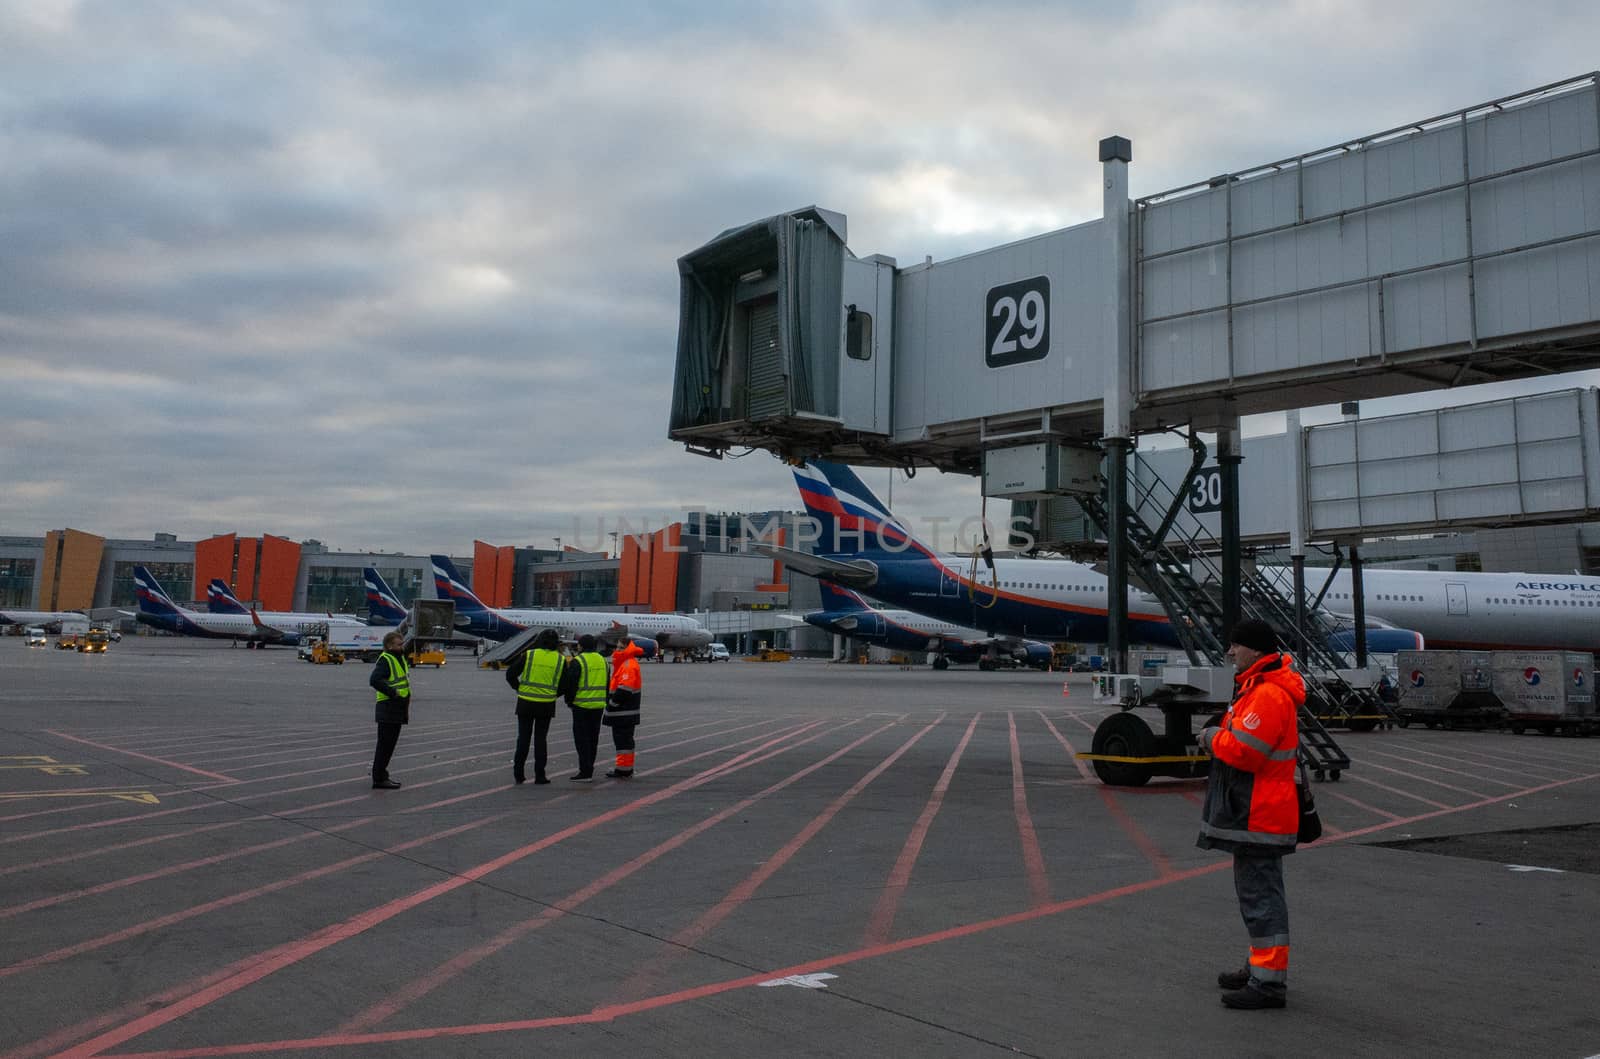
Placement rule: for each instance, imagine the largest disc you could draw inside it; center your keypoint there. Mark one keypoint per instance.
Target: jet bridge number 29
(1017, 322)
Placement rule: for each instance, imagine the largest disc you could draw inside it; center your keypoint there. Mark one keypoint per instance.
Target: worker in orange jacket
(622, 708)
(1252, 808)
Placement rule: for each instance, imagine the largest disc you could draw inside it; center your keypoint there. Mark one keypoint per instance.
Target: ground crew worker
(536, 676)
(585, 692)
(622, 711)
(1252, 809)
(391, 679)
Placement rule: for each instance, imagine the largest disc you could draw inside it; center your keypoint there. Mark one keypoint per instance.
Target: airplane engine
(1037, 655)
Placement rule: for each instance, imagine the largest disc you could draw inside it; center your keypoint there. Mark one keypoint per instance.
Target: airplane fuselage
(1471, 611)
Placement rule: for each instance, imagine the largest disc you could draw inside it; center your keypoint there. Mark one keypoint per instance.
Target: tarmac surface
(813, 860)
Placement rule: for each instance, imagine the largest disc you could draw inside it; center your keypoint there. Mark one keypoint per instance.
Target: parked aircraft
(37, 617)
(157, 608)
(221, 600)
(383, 606)
(847, 614)
(671, 631)
(862, 545)
(1469, 611)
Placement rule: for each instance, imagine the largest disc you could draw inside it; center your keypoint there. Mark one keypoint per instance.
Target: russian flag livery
(848, 518)
(383, 606)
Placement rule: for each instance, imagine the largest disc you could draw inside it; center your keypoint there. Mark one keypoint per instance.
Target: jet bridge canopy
(1458, 249)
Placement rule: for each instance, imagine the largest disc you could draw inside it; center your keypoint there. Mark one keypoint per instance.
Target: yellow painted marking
(53, 770)
(141, 797)
(40, 759)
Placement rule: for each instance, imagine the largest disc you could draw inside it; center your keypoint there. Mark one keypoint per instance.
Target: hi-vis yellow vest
(541, 676)
(399, 670)
(591, 694)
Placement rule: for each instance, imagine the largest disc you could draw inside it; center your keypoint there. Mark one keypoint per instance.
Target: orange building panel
(213, 557)
(246, 575)
(777, 566)
(71, 568)
(484, 559)
(664, 568)
(628, 580)
(279, 569)
(505, 573)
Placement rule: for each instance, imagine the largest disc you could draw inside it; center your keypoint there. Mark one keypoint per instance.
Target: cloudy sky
(395, 275)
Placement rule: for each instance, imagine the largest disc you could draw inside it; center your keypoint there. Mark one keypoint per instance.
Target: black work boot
(1252, 999)
(1234, 979)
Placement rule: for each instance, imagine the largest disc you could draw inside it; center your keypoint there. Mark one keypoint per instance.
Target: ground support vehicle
(94, 642)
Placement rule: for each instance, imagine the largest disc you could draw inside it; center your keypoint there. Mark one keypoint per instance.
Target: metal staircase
(1196, 615)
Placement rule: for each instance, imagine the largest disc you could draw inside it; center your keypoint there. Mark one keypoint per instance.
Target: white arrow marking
(804, 981)
(1530, 867)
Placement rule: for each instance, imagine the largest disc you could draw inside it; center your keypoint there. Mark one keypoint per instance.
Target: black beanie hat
(1256, 635)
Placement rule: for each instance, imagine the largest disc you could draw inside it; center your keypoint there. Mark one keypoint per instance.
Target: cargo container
(1447, 688)
(1552, 691)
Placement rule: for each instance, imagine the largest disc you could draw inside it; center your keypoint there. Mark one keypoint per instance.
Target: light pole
(614, 553)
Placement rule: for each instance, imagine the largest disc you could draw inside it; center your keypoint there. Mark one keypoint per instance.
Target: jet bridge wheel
(1123, 735)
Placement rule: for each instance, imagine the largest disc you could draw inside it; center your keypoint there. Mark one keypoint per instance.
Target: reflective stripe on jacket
(625, 668)
(1251, 804)
(399, 678)
(591, 691)
(541, 675)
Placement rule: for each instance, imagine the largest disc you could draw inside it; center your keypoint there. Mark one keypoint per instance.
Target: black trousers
(388, 736)
(533, 725)
(586, 737)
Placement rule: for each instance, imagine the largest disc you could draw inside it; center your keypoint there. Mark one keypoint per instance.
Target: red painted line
(169, 836)
(1032, 857)
(160, 873)
(176, 917)
(422, 985)
(894, 888)
(1447, 810)
(1327, 789)
(1395, 790)
(145, 757)
(1391, 756)
(1424, 779)
(611, 1012)
(1108, 798)
(641, 979)
(294, 952)
(173, 918)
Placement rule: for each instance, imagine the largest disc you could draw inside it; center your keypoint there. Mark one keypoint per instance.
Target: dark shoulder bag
(1310, 822)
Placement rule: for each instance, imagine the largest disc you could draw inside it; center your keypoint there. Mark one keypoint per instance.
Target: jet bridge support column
(1117, 434)
(1297, 524)
(1229, 458)
(1359, 598)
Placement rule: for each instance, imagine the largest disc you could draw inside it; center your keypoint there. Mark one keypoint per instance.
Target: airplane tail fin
(452, 586)
(848, 517)
(383, 606)
(836, 600)
(153, 599)
(221, 600)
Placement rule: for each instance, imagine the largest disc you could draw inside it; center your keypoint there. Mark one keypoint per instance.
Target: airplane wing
(265, 631)
(854, 573)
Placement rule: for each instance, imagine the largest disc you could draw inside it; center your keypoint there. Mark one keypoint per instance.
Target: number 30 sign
(1017, 322)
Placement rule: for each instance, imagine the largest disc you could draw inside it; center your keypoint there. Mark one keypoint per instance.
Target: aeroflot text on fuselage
(1557, 586)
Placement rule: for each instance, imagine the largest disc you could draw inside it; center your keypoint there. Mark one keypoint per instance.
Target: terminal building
(700, 566)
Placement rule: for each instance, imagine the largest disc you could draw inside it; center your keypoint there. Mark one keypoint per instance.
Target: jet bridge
(1457, 249)
(1462, 248)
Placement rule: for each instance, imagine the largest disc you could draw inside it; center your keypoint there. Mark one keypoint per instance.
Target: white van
(35, 636)
(718, 653)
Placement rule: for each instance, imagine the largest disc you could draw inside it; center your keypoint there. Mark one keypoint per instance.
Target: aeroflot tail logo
(1417, 679)
(1530, 676)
